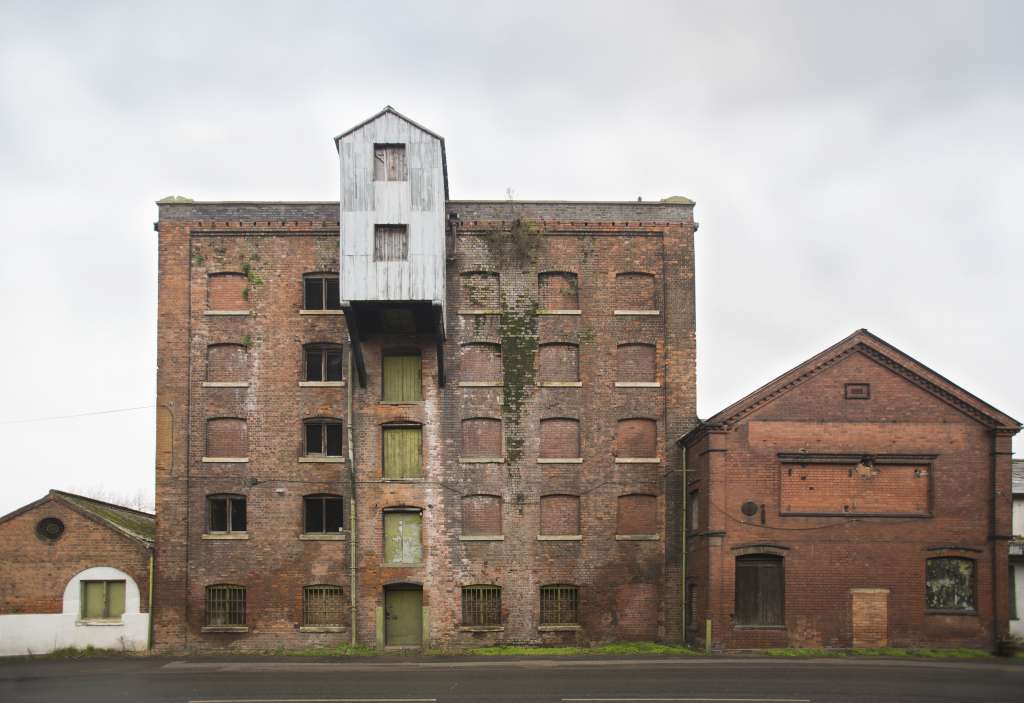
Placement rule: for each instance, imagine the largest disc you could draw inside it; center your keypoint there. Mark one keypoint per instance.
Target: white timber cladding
(417, 202)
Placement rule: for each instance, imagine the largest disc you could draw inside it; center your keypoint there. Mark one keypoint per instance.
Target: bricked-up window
(636, 363)
(226, 437)
(949, 584)
(102, 600)
(637, 515)
(559, 290)
(225, 513)
(480, 290)
(402, 529)
(560, 515)
(323, 513)
(559, 438)
(401, 378)
(558, 362)
(389, 162)
(635, 291)
(693, 511)
(636, 437)
(403, 451)
(559, 605)
(481, 516)
(227, 291)
(481, 606)
(323, 436)
(321, 291)
(225, 606)
(481, 438)
(760, 580)
(227, 363)
(322, 606)
(390, 243)
(323, 362)
(481, 363)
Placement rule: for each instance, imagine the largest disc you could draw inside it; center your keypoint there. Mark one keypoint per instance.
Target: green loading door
(403, 617)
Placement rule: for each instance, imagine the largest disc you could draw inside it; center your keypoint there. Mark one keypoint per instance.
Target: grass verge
(616, 648)
(915, 652)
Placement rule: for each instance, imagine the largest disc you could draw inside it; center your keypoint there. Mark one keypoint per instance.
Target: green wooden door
(403, 617)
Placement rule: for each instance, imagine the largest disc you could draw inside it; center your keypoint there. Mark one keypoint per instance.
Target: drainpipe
(352, 503)
(682, 558)
(149, 635)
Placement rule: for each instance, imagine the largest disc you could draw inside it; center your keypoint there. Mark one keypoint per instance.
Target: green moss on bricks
(518, 329)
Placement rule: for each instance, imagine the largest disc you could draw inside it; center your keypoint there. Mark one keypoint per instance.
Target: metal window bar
(481, 606)
(559, 605)
(225, 606)
(322, 605)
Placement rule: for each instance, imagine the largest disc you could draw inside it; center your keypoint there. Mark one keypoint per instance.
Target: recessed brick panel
(558, 362)
(227, 291)
(226, 437)
(481, 438)
(636, 438)
(635, 363)
(635, 291)
(559, 291)
(480, 289)
(830, 488)
(559, 438)
(637, 515)
(481, 362)
(559, 515)
(227, 363)
(636, 610)
(481, 515)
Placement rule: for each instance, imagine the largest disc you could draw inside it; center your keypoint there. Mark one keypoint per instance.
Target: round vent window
(749, 508)
(50, 528)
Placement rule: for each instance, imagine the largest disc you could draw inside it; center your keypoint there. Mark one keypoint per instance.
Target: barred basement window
(322, 605)
(321, 291)
(324, 513)
(225, 513)
(389, 162)
(323, 437)
(481, 606)
(559, 605)
(323, 362)
(949, 584)
(225, 606)
(390, 243)
(102, 600)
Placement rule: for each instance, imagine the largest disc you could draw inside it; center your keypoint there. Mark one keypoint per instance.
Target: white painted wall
(1017, 626)
(1018, 516)
(38, 633)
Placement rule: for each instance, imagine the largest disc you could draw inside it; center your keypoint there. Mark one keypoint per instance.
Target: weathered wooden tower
(394, 188)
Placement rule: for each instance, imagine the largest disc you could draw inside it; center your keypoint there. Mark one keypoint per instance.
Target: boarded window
(635, 291)
(558, 363)
(635, 363)
(102, 600)
(481, 606)
(322, 606)
(390, 243)
(481, 515)
(400, 377)
(225, 606)
(759, 590)
(321, 291)
(637, 515)
(481, 362)
(323, 437)
(559, 605)
(227, 363)
(949, 584)
(481, 438)
(402, 537)
(389, 162)
(323, 514)
(559, 290)
(403, 451)
(480, 290)
(560, 515)
(227, 291)
(636, 438)
(323, 362)
(559, 438)
(226, 437)
(225, 513)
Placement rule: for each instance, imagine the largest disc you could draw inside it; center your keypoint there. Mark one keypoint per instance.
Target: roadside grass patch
(615, 648)
(916, 652)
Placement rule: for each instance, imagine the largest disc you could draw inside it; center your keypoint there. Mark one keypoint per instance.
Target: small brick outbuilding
(858, 500)
(74, 572)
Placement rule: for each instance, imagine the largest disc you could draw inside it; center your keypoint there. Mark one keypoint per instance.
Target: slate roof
(134, 524)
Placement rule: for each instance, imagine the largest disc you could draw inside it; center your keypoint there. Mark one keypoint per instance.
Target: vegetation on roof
(136, 523)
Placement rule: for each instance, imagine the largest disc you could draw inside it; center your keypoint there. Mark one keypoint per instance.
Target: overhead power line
(69, 417)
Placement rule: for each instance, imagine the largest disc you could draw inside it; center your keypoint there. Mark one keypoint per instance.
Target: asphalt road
(461, 680)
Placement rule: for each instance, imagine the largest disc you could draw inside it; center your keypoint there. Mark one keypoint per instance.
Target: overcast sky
(854, 165)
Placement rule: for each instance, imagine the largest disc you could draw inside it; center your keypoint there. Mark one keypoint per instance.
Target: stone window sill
(481, 538)
(637, 538)
(558, 628)
(549, 311)
(415, 565)
(638, 312)
(99, 623)
(559, 538)
(480, 311)
(560, 384)
(481, 384)
(321, 312)
(321, 460)
(564, 460)
(408, 479)
(226, 313)
(482, 460)
(321, 384)
(321, 628)
(637, 384)
(968, 613)
(225, 460)
(637, 460)
(225, 384)
(323, 537)
(482, 628)
(225, 628)
(401, 402)
(780, 628)
(225, 535)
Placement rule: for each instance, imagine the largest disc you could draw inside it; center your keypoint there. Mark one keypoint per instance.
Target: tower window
(389, 162)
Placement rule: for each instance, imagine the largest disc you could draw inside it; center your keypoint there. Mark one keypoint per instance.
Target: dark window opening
(481, 606)
(50, 528)
(323, 362)
(559, 605)
(693, 511)
(322, 292)
(759, 590)
(323, 438)
(950, 584)
(324, 514)
(226, 513)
